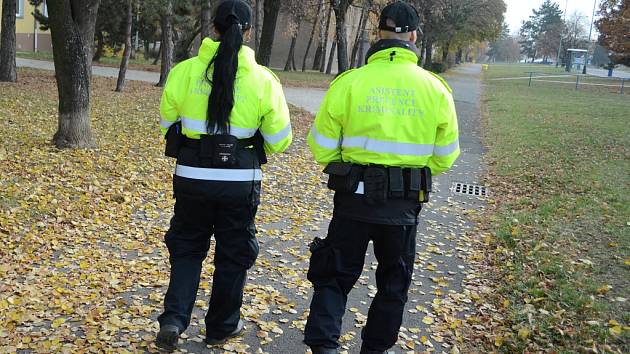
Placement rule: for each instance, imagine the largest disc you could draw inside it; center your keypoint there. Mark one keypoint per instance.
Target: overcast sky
(519, 10)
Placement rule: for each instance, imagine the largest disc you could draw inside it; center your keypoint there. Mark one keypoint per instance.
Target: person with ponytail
(221, 113)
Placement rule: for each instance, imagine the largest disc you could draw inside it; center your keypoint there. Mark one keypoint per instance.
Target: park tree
(8, 72)
(296, 11)
(271, 9)
(614, 29)
(365, 17)
(324, 34)
(318, 15)
(124, 63)
(72, 24)
(340, 7)
(166, 43)
(540, 34)
(505, 48)
(110, 28)
(206, 18)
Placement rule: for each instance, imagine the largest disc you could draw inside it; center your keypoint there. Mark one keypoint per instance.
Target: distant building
(29, 38)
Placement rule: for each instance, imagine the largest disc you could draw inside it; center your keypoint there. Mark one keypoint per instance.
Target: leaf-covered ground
(83, 267)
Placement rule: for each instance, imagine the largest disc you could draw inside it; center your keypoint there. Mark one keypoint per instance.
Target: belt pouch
(343, 177)
(396, 183)
(375, 180)
(415, 184)
(224, 150)
(259, 145)
(206, 149)
(174, 140)
(427, 184)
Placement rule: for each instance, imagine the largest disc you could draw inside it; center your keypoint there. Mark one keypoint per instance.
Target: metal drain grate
(469, 189)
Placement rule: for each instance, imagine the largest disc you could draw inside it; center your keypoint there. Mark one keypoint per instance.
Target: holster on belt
(174, 139)
(376, 187)
(343, 177)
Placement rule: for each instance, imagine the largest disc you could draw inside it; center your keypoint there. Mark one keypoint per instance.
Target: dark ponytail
(225, 63)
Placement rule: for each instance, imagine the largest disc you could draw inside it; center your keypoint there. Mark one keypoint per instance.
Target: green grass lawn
(560, 168)
(313, 79)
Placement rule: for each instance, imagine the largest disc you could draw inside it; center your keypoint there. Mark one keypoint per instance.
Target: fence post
(530, 78)
(577, 81)
(623, 81)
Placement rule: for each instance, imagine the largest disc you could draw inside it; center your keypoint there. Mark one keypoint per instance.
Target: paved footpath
(296, 207)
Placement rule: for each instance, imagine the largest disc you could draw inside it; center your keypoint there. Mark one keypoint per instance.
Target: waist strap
(196, 143)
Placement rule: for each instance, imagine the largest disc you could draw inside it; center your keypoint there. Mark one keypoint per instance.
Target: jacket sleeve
(169, 103)
(324, 138)
(275, 123)
(446, 149)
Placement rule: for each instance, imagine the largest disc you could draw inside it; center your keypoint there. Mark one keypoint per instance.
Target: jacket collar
(246, 56)
(382, 50)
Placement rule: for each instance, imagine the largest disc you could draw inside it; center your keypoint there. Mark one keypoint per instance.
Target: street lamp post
(590, 31)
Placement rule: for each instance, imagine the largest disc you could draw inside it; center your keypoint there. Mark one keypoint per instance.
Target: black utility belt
(380, 183)
(217, 150)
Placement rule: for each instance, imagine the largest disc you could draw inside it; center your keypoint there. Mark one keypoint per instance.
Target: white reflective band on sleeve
(218, 174)
(323, 141)
(360, 188)
(446, 150)
(387, 147)
(166, 123)
(242, 133)
(279, 136)
(194, 124)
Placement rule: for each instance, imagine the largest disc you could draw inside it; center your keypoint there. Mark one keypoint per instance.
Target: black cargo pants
(334, 269)
(188, 241)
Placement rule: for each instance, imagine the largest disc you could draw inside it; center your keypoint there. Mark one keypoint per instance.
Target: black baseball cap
(230, 12)
(404, 16)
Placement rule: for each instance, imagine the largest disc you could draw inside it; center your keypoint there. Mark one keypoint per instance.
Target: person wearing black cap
(382, 131)
(221, 113)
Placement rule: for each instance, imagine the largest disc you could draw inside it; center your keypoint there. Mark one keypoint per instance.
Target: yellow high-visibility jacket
(259, 101)
(389, 112)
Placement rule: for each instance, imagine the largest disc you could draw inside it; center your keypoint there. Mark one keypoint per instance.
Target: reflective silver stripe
(446, 150)
(164, 123)
(199, 126)
(218, 174)
(323, 141)
(279, 136)
(242, 133)
(387, 147)
(360, 188)
(194, 124)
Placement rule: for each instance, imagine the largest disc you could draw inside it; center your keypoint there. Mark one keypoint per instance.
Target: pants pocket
(322, 264)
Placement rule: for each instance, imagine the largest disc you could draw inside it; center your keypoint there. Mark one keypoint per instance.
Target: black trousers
(335, 268)
(188, 241)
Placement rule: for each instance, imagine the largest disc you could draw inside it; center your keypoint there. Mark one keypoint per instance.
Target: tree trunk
(341, 8)
(258, 24)
(318, 58)
(326, 33)
(158, 56)
(8, 72)
(167, 43)
(445, 50)
(310, 40)
(124, 63)
(428, 57)
(147, 50)
(206, 19)
(271, 10)
(72, 25)
(459, 55)
(290, 64)
(331, 57)
(100, 46)
(362, 23)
